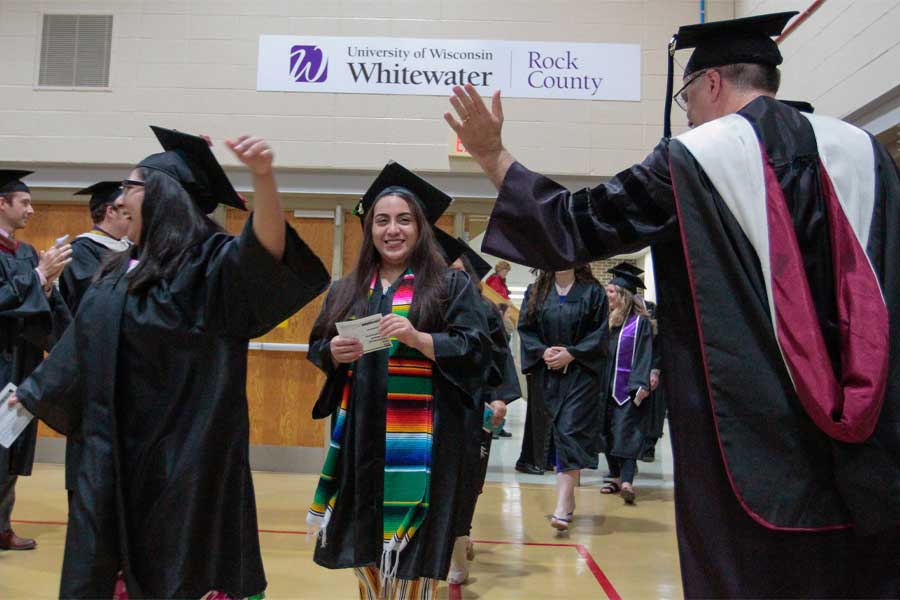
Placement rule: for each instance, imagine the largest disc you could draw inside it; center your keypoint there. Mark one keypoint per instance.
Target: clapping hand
(52, 262)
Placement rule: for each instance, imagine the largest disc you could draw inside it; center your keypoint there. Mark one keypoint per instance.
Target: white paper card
(13, 421)
(366, 331)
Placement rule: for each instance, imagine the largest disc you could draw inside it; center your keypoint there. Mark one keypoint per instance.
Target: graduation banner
(408, 66)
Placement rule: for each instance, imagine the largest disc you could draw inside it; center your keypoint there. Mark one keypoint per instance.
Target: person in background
(631, 355)
(563, 337)
(107, 236)
(32, 317)
(497, 279)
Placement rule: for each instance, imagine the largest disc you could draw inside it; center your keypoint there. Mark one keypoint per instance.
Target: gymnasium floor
(613, 550)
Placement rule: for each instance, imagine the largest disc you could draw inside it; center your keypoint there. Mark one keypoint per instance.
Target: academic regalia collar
(578, 289)
(8, 243)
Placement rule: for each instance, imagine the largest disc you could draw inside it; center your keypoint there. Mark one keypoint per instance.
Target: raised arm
(539, 223)
(268, 214)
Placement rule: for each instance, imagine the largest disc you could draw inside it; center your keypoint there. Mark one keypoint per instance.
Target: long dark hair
(350, 296)
(544, 282)
(172, 227)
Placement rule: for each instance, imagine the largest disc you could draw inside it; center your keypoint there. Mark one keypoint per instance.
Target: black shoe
(529, 469)
(504, 433)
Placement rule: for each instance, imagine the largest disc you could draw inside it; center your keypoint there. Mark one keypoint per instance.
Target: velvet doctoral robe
(769, 228)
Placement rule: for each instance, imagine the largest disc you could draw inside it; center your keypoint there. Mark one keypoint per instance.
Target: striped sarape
(408, 446)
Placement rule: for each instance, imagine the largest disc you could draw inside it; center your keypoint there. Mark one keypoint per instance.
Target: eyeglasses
(680, 97)
(130, 183)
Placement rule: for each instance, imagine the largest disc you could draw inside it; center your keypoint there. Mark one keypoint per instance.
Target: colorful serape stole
(408, 445)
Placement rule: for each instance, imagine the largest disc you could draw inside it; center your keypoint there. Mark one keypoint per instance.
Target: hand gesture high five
(479, 129)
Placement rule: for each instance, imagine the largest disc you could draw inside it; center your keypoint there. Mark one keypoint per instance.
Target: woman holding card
(386, 503)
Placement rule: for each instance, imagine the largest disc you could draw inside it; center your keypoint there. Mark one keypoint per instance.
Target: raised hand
(254, 152)
(479, 129)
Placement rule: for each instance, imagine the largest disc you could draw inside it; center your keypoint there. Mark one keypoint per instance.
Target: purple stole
(624, 360)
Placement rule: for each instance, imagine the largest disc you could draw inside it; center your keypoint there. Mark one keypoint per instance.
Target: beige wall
(844, 57)
(192, 66)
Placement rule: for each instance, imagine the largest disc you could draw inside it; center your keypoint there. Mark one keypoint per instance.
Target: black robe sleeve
(643, 358)
(249, 292)
(530, 344)
(52, 391)
(499, 343)
(44, 318)
(319, 354)
(462, 351)
(539, 223)
(590, 351)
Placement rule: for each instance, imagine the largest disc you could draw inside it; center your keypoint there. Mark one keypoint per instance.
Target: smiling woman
(400, 412)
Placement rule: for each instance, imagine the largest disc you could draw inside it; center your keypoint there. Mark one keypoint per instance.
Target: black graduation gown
(656, 403)
(87, 255)
(623, 431)
(501, 383)
(463, 354)
(164, 492)
(798, 478)
(572, 400)
(30, 323)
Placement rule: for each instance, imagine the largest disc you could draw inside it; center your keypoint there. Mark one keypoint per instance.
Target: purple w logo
(307, 65)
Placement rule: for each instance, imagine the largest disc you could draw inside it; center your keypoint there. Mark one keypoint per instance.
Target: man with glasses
(32, 316)
(90, 248)
(776, 242)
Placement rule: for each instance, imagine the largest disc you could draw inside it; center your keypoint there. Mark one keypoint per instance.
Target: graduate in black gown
(630, 361)
(501, 386)
(108, 235)
(562, 332)
(32, 317)
(656, 403)
(387, 503)
(776, 241)
(111, 223)
(164, 493)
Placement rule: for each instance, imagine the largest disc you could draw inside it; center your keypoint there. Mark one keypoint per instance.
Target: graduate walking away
(562, 333)
(775, 236)
(630, 357)
(158, 351)
(388, 498)
(32, 317)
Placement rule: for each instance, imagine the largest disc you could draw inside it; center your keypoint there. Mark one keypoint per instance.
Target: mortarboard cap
(189, 161)
(719, 43)
(104, 192)
(451, 248)
(800, 105)
(481, 266)
(11, 181)
(627, 276)
(394, 175)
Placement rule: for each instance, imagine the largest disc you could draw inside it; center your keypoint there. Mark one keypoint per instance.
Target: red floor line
(456, 590)
(599, 575)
